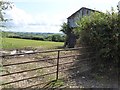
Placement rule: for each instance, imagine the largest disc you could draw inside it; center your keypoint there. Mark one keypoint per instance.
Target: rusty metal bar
(28, 78)
(18, 54)
(68, 69)
(66, 63)
(63, 70)
(51, 81)
(39, 60)
(45, 59)
(29, 62)
(47, 51)
(75, 55)
(28, 70)
(86, 59)
(58, 57)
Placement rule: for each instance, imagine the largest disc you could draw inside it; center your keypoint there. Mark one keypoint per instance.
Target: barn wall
(72, 20)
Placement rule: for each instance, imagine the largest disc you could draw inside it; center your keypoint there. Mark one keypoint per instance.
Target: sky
(48, 15)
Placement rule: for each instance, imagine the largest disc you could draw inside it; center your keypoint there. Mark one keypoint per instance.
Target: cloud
(18, 17)
(30, 23)
(50, 14)
(24, 22)
(35, 0)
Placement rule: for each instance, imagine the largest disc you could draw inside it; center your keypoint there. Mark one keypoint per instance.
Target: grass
(13, 43)
(54, 84)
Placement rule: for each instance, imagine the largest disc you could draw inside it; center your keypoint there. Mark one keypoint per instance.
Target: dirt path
(88, 80)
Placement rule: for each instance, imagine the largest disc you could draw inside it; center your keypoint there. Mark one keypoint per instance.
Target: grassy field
(13, 43)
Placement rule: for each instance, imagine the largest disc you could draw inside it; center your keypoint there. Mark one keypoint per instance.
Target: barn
(119, 6)
(72, 19)
(72, 23)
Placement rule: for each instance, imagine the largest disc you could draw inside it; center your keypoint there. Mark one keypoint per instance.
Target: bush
(55, 38)
(102, 31)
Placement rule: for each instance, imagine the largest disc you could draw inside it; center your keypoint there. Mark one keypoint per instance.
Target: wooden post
(58, 57)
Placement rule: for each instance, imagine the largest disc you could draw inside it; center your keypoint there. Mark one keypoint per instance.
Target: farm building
(71, 20)
(119, 6)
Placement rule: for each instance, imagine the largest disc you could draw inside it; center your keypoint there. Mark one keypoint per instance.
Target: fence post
(58, 56)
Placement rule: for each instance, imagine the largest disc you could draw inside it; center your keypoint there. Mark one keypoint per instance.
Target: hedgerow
(102, 32)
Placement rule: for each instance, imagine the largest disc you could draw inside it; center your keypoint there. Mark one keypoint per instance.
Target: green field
(13, 43)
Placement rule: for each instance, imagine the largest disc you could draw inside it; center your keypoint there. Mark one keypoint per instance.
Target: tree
(70, 36)
(65, 28)
(4, 5)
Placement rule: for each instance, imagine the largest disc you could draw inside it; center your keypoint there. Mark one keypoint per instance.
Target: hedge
(101, 31)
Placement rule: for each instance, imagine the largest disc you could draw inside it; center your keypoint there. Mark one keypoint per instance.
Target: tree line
(35, 36)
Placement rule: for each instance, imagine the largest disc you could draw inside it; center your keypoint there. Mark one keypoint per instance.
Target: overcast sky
(48, 15)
